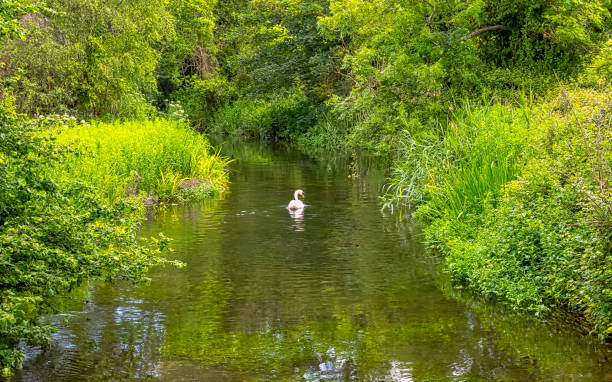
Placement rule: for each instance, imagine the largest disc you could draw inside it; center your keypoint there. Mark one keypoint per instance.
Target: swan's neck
(295, 195)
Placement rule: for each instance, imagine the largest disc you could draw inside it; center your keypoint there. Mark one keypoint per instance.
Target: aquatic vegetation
(161, 158)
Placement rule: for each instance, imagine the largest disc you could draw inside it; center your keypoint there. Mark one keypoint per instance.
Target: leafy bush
(278, 117)
(201, 97)
(537, 250)
(97, 58)
(55, 231)
(104, 59)
(327, 133)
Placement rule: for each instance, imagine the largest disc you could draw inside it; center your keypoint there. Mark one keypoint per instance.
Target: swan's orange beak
(303, 195)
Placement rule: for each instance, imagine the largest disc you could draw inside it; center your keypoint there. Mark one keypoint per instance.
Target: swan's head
(298, 193)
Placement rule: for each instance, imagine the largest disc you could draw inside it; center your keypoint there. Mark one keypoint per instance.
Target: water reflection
(352, 297)
(298, 218)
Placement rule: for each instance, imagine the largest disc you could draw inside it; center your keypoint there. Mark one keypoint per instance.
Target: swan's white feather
(296, 204)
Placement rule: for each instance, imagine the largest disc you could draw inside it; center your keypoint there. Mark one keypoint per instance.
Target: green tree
(91, 57)
(190, 52)
(408, 60)
(281, 46)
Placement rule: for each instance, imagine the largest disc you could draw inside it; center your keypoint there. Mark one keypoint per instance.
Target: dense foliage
(375, 68)
(363, 69)
(55, 232)
(510, 174)
(113, 58)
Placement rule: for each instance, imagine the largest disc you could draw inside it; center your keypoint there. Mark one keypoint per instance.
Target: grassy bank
(161, 160)
(517, 196)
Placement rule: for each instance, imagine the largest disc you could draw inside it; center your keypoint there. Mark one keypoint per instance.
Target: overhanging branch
(430, 18)
(485, 29)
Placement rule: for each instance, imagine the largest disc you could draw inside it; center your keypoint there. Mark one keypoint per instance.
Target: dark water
(343, 292)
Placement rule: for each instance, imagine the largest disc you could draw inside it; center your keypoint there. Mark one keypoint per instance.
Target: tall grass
(460, 167)
(161, 158)
(483, 148)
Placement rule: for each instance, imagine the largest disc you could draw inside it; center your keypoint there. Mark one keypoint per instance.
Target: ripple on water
(340, 293)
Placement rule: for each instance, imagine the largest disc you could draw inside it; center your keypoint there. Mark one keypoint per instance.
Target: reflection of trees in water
(111, 339)
(552, 349)
(340, 292)
(344, 346)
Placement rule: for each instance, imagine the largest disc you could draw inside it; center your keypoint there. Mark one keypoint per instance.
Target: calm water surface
(343, 292)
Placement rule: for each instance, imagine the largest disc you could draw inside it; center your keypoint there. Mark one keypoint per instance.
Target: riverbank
(71, 202)
(157, 161)
(517, 198)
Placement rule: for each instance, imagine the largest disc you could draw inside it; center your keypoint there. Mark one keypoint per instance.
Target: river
(340, 292)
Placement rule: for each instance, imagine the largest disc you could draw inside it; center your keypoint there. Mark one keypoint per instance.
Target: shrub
(546, 244)
(55, 231)
(278, 117)
(201, 97)
(537, 250)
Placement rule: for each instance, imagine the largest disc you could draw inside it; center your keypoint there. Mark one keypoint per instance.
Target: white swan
(296, 204)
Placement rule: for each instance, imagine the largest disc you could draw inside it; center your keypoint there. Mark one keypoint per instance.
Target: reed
(459, 168)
